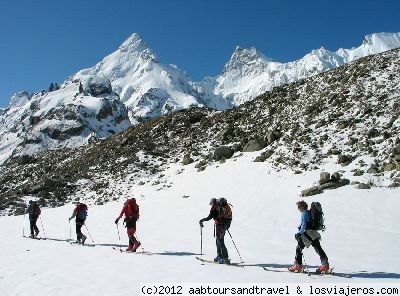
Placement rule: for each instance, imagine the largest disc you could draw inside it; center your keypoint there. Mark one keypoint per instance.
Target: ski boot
(224, 261)
(216, 259)
(296, 268)
(136, 245)
(36, 233)
(323, 269)
(83, 239)
(130, 248)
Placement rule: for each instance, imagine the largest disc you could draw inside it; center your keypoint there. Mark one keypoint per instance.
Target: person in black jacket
(221, 226)
(34, 212)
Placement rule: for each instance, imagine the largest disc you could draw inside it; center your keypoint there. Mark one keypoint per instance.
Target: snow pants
(220, 230)
(79, 223)
(33, 221)
(317, 247)
(131, 235)
(131, 229)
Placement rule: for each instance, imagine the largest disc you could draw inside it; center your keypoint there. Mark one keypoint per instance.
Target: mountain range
(343, 122)
(132, 85)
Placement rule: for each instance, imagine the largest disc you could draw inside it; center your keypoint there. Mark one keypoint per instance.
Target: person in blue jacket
(307, 237)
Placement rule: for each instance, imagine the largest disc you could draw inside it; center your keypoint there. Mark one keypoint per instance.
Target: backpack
(225, 211)
(132, 210)
(316, 217)
(35, 210)
(82, 211)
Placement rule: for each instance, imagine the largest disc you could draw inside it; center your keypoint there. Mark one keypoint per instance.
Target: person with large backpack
(34, 212)
(131, 211)
(221, 212)
(80, 213)
(310, 222)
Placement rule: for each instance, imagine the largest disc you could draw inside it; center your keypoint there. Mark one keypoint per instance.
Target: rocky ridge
(349, 115)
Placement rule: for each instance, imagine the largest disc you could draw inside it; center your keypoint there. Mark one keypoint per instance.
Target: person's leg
(217, 242)
(298, 259)
(35, 226)
(31, 222)
(78, 231)
(220, 236)
(321, 253)
(131, 235)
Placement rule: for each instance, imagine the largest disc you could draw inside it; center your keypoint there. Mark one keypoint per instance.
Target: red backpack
(132, 209)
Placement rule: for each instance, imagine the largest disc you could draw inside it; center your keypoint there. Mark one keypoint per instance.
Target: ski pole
(44, 232)
(23, 227)
(141, 245)
(89, 233)
(235, 246)
(119, 238)
(201, 241)
(305, 263)
(70, 236)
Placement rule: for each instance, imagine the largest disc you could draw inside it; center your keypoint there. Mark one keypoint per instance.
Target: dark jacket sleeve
(29, 210)
(213, 215)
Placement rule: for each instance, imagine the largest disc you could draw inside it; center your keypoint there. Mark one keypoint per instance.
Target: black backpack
(317, 217)
(35, 210)
(82, 211)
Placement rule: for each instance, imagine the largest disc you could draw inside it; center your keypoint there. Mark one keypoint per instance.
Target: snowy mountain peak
(372, 44)
(18, 99)
(135, 45)
(382, 41)
(243, 59)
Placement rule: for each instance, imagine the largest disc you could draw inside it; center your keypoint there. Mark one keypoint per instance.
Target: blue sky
(45, 41)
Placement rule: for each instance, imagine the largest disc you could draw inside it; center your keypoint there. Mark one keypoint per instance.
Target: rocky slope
(348, 115)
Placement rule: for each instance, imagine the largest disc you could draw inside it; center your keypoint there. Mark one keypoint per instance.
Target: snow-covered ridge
(249, 73)
(67, 117)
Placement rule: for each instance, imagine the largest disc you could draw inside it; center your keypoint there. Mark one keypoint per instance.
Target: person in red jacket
(131, 211)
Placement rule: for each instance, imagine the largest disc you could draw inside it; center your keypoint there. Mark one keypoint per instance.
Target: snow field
(361, 239)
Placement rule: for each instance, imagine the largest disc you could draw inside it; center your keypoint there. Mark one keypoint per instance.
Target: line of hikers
(221, 211)
(80, 213)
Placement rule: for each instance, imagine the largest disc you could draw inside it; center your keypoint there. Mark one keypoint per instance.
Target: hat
(213, 201)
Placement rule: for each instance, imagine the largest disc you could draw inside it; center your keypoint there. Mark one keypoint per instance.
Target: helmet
(213, 201)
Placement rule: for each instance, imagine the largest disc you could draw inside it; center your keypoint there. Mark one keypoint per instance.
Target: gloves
(297, 236)
(69, 219)
(201, 223)
(116, 221)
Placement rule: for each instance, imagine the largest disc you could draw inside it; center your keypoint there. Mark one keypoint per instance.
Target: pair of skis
(143, 252)
(34, 237)
(75, 243)
(212, 261)
(330, 272)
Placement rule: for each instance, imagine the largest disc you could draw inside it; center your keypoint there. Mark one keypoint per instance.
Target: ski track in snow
(361, 239)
